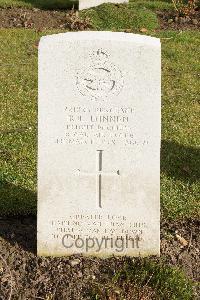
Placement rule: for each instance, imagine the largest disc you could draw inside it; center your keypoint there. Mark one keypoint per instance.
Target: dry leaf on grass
(143, 30)
(182, 240)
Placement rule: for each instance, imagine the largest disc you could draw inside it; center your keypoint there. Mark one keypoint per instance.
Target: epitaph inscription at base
(99, 144)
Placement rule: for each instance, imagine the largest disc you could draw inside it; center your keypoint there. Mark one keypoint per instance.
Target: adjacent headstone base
(84, 4)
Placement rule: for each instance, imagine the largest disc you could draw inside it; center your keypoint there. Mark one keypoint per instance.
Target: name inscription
(99, 126)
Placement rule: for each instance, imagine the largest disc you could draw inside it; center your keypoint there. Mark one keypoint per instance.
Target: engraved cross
(99, 173)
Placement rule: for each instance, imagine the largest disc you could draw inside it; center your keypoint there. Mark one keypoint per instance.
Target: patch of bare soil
(26, 276)
(42, 19)
(170, 20)
(51, 19)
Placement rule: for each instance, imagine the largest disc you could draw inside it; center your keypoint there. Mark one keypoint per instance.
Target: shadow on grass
(180, 162)
(52, 4)
(16, 228)
(21, 231)
(16, 200)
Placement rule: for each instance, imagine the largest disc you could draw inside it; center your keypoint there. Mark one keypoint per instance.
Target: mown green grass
(121, 17)
(180, 155)
(180, 158)
(18, 120)
(151, 4)
(145, 279)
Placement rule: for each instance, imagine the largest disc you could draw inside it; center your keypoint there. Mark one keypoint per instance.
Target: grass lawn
(180, 157)
(120, 18)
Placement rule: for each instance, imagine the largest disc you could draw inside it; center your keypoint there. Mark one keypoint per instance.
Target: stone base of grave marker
(84, 4)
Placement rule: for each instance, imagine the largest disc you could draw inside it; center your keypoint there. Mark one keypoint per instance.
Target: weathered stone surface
(99, 144)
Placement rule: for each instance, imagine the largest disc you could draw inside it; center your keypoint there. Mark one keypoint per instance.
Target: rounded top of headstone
(101, 35)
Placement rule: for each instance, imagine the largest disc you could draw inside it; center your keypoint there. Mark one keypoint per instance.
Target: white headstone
(99, 144)
(84, 4)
